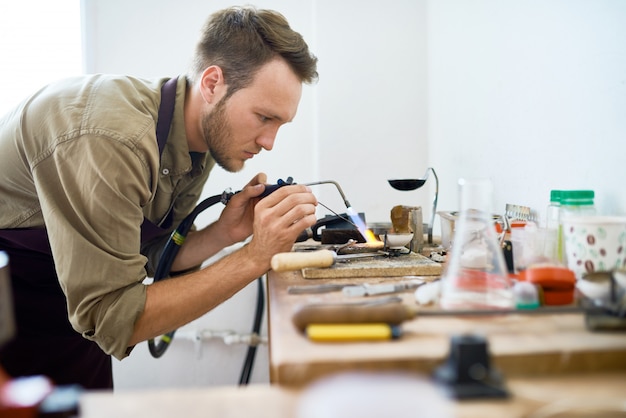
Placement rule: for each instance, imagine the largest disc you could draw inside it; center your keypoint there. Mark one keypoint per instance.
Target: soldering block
(401, 219)
(557, 283)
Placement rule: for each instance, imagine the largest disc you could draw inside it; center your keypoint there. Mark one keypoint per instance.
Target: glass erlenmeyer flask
(475, 276)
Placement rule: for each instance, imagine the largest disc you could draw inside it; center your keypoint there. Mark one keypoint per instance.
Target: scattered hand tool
(366, 289)
(313, 259)
(352, 332)
(314, 288)
(396, 313)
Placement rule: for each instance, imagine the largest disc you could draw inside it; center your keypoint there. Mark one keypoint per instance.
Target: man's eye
(263, 118)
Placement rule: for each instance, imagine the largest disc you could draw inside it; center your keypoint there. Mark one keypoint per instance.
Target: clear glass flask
(476, 276)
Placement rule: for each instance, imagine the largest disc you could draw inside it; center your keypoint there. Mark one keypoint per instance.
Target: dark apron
(45, 342)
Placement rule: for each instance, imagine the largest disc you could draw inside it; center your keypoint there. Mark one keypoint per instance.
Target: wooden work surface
(519, 345)
(589, 395)
(380, 266)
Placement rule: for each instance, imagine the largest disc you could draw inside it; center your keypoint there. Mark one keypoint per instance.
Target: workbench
(589, 395)
(553, 367)
(520, 345)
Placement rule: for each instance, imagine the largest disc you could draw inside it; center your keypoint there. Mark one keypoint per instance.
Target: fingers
(292, 203)
(260, 178)
(280, 217)
(253, 189)
(290, 209)
(299, 217)
(256, 182)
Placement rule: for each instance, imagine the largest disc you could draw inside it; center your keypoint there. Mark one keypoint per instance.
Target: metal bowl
(407, 184)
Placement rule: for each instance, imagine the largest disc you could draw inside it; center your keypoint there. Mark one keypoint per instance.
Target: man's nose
(267, 139)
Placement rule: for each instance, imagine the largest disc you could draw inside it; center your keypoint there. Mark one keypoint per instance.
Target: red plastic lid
(558, 297)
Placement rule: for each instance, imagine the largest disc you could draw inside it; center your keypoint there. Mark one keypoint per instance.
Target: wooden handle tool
(396, 313)
(389, 313)
(311, 259)
(299, 260)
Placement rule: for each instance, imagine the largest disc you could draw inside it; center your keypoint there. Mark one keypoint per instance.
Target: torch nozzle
(343, 196)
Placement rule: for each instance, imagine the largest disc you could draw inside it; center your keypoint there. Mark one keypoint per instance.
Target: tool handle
(352, 332)
(271, 188)
(391, 313)
(299, 260)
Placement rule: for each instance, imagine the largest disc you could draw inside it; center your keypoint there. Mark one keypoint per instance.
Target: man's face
(241, 126)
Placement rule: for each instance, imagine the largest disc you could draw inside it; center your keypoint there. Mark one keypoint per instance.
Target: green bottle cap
(577, 197)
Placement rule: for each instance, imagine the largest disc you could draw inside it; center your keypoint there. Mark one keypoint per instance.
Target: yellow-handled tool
(352, 313)
(352, 332)
(311, 259)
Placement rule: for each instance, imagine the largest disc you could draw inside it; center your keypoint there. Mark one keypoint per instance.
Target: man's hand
(235, 222)
(275, 222)
(282, 212)
(278, 220)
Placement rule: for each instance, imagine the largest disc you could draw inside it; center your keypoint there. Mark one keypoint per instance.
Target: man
(89, 196)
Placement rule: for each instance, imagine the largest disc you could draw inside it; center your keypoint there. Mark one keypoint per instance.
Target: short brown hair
(240, 40)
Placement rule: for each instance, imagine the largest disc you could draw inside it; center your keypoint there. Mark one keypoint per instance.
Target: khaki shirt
(80, 158)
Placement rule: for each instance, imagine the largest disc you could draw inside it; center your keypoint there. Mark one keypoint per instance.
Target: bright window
(40, 42)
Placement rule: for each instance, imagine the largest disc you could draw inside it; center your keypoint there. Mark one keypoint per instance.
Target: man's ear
(212, 84)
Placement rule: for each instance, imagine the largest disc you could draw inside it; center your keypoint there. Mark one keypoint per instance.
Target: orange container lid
(549, 277)
(513, 224)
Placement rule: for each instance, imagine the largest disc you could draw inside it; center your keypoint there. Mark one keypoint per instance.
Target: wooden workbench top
(520, 345)
(577, 395)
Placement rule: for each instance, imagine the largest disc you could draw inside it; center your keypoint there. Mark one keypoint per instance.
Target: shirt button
(165, 171)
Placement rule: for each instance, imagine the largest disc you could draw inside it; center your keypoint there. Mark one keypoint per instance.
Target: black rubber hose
(176, 240)
(170, 250)
(248, 364)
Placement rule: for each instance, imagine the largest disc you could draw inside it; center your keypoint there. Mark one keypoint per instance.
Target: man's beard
(217, 136)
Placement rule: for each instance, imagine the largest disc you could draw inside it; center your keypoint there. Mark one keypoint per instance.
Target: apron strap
(166, 112)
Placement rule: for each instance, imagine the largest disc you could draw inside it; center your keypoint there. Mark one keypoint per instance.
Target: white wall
(531, 94)
(33, 32)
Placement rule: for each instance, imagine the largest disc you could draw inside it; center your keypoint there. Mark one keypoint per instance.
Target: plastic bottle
(551, 247)
(552, 213)
(573, 203)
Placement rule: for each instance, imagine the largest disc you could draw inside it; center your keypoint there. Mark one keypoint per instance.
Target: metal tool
(315, 288)
(352, 332)
(366, 289)
(519, 212)
(514, 213)
(355, 219)
(314, 259)
(352, 217)
(365, 303)
(396, 313)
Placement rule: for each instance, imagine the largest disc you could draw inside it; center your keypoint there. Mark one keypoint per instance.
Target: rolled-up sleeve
(92, 188)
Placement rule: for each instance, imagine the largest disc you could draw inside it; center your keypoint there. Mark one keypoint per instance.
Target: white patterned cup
(594, 243)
